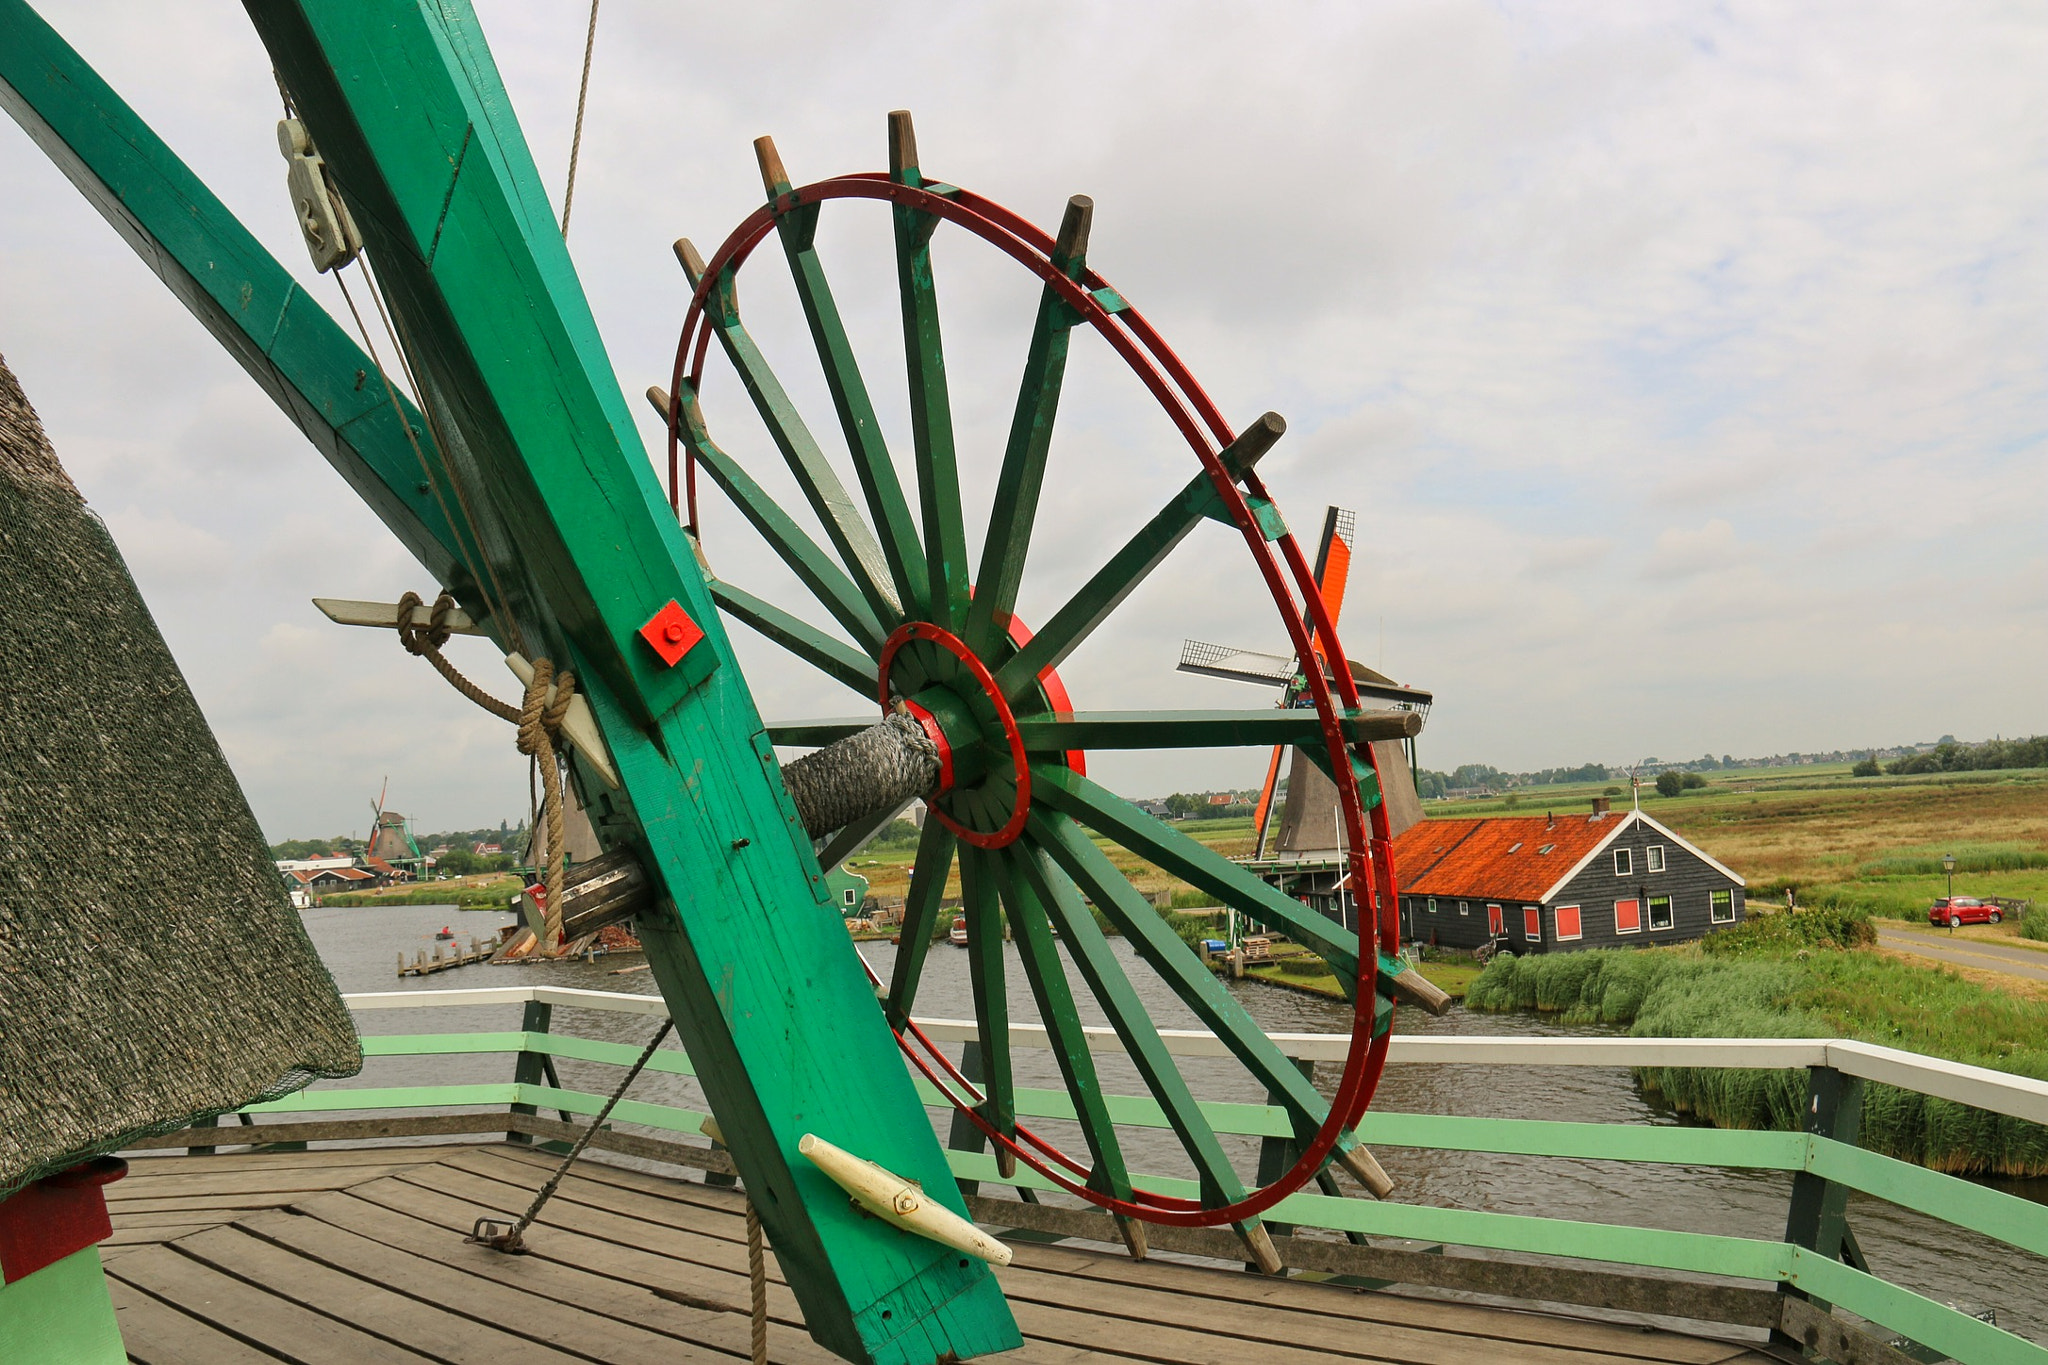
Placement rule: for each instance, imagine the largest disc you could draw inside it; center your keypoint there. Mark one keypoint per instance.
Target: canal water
(1952, 1265)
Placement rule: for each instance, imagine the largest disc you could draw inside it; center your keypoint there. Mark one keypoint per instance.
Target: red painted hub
(952, 644)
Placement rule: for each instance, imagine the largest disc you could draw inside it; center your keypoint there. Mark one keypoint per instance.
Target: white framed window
(1624, 862)
(1660, 912)
(1532, 924)
(1653, 858)
(1721, 906)
(1567, 917)
(848, 895)
(1464, 907)
(1515, 847)
(1628, 917)
(1546, 848)
(1432, 905)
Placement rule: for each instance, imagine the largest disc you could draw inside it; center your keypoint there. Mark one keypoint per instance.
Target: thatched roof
(152, 970)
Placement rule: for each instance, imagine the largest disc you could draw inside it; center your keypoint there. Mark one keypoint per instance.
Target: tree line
(1950, 756)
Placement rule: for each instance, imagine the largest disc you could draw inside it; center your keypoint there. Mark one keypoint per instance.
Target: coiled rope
(539, 720)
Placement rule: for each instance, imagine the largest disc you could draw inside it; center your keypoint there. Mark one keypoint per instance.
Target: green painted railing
(1824, 1162)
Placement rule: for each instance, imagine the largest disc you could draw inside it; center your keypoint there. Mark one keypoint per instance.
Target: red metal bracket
(672, 633)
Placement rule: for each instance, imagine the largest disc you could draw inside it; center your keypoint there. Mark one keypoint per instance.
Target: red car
(1955, 911)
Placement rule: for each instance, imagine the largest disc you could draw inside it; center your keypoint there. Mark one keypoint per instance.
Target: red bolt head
(673, 632)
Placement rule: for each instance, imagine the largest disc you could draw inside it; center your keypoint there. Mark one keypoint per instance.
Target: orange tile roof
(1499, 859)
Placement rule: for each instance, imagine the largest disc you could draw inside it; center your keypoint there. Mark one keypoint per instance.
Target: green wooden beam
(836, 660)
(812, 566)
(407, 107)
(858, 549)
(982, 905)
(1015, 508)
(1090, 953)
(1063, 790)
(928, 874)
(1064, 631)
(1205, 729)
(1055, 997)
(1182, 971)
(894, 528)
(287, 343)
(931, 407)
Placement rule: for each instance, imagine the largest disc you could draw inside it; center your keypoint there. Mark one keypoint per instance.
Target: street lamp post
(1948, 865)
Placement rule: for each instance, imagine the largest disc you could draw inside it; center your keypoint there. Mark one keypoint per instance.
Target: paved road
(2031, 963)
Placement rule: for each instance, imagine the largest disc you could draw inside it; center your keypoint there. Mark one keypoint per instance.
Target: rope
(757, 1277)
(576, 140)
(538, 717)
(511, 1241)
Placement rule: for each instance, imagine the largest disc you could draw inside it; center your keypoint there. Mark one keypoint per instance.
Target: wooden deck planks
(357, 1255)
(158, 1334)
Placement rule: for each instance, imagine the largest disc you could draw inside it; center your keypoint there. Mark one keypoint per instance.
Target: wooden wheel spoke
(1179, 967)
(928, 873)
(931, 406)
(826, 581)
(1110, 815)
(857, 548)
(1205, 729)
(816, 734)
(894, 528)
(1015, 509)
(834, 658)
(1090, 953)
(1130, 566)
(981, 902)
(1055, 997)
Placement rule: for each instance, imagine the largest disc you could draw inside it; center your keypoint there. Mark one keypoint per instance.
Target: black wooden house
(1554, 883)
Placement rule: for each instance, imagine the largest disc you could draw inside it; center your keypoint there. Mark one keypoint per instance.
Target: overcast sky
(1687, 365)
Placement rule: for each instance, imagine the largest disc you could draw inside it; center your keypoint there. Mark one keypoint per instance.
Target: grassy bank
(466, 893)
(1791, 977)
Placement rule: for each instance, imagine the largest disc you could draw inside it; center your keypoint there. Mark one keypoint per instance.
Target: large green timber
(406, 105)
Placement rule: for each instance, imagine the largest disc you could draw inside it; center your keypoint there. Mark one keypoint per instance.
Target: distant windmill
(391, 838)
(1308, 822)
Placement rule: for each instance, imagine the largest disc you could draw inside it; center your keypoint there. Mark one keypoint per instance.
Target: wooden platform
(339, 1257)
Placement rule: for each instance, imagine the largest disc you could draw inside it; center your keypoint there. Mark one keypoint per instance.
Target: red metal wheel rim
(955, 646)
(1306, 618)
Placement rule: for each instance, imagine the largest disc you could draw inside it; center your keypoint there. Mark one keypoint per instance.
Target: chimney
(1600, 806)
(1549, 820)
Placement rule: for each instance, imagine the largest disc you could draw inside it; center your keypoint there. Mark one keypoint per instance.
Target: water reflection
(1946, 1263)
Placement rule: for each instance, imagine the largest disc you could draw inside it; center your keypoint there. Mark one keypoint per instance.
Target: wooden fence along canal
(422, 965)
(1812, 1286)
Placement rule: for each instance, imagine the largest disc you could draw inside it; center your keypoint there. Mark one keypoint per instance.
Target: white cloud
(1555, 297)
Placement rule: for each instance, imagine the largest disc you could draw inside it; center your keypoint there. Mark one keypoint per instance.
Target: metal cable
(757, 1279)
(511, 1241)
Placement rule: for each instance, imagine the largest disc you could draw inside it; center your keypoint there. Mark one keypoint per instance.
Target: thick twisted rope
(539, 720)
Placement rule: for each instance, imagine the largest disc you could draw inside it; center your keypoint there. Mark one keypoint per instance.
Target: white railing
(1979, 1087)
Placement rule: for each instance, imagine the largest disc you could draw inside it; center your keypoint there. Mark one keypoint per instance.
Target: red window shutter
(1532, 924)
(1628, 917)
(1568, 922)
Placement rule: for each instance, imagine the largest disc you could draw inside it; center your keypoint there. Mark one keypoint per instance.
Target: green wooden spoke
(816, 734)
(1090, 953)
(931, 407)
(920, 913)
(981, 902)
(1055, 997)
(894, 528)
(826, 581)
(1204, 729)
(1063, 632)
(1110, 815)
(827, 496)
(851, 839)
(835, 659)
(1180, 968)
(1023, 474)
